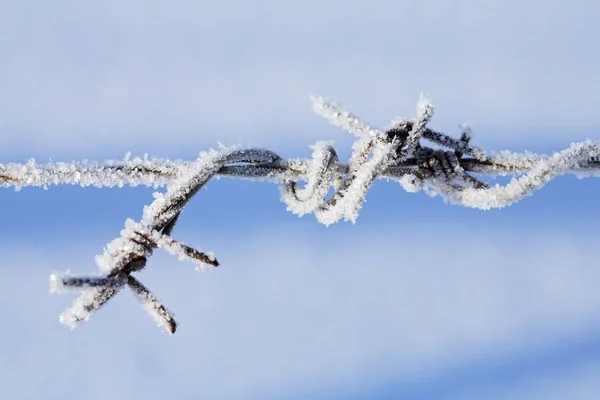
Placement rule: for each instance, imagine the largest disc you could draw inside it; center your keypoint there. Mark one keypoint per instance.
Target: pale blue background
(418, 300)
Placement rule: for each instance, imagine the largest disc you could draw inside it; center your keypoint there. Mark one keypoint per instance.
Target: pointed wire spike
(90, 301)
(152, 305)
(78, 282)
(466, 133)
(199, 255)
(372, 158)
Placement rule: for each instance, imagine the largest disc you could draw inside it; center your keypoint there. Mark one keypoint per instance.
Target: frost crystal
(332, 190)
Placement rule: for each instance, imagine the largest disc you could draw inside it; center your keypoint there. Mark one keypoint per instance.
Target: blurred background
(418, 300)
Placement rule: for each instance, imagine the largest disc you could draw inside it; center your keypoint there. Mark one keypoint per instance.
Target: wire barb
(333, 190)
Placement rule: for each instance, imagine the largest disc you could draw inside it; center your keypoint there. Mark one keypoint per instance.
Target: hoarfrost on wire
(453, 172)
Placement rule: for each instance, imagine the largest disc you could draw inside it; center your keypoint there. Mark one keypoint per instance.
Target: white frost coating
(518, 188)
(128, 253)
(159, 313)
(321, 158)
(157, 212)
(424, 112)
(449, 170)
(56, 283)
(342, 118)
(348, 201)
(84, 306)
(201, 170)
(160, 318)
(372, 154)
(410, 183)
(178, 249)
(586, 174)
(107, 261)
(508, 162)
(131, 172)
(466, 132)
(321, 175)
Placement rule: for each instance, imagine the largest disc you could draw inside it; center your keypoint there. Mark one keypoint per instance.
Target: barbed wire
(450, 167)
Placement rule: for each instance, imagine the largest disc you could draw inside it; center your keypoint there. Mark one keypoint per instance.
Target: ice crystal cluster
(332, 190)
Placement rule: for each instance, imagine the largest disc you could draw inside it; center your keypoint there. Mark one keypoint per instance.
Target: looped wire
(333, 190)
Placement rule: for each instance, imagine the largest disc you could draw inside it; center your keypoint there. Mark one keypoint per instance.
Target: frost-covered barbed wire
(129, 252)
(453, 169)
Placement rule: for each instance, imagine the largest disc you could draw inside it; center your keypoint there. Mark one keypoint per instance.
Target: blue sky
(418, 300)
